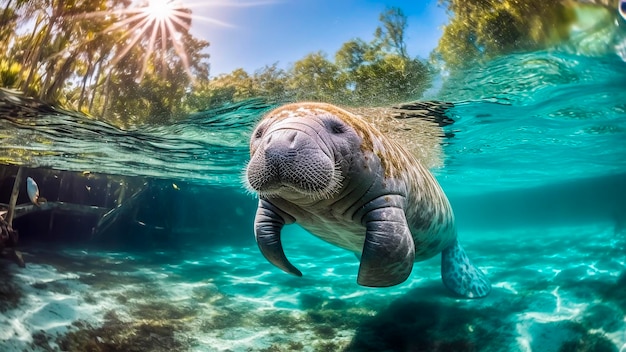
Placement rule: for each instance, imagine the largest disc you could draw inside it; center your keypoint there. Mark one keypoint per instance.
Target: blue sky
(261, 33)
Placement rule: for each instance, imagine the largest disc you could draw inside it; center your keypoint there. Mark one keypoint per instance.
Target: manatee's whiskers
(245, 182)
(333, 187)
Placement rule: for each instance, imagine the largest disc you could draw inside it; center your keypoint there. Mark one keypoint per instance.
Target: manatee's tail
(460, 275)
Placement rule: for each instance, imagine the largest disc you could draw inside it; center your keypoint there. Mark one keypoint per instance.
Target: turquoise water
(535, 168)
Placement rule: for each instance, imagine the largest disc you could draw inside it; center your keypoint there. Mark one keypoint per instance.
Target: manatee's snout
(282, 149)
(293, 159)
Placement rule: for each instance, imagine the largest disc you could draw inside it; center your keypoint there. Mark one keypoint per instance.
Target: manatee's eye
(259, 131)
(334, 126)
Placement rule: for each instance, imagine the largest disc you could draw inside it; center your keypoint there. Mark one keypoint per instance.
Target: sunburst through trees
(127, 61)
(158, 24)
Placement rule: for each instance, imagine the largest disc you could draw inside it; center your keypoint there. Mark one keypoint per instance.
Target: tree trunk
(37, 53)
(83, 89)
(32, 58)
(107, 85)
(94, 87)
(14, 194)
(50, 93)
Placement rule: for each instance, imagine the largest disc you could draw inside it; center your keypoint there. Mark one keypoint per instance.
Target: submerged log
(86, 207)
(79, 209)
(14, 194)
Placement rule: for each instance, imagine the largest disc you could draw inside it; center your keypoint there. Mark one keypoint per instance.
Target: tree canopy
(483, 29)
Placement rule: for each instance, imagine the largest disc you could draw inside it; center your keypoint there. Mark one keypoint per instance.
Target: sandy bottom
(562, 289)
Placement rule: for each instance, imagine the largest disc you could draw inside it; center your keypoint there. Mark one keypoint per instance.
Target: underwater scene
(140, 235)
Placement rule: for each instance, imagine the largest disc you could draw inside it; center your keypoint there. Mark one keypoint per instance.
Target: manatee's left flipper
(388, 251)
(460, 275)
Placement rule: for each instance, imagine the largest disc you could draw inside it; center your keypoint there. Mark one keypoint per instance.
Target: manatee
(338, 176)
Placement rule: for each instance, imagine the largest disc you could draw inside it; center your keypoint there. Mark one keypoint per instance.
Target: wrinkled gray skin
(318, 166)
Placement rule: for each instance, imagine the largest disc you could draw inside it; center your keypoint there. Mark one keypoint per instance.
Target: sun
(158, 23)
(159, 27)
(160, 10)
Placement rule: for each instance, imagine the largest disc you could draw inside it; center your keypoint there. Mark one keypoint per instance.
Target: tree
(381, 72)
(129, 71)
(482, 29)
(390, 79)
(314, 77)
(271, 81)
(353, 54)
(391, 34)
(9, 73)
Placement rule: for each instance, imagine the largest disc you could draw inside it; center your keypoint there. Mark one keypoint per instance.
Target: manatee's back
(417, 126)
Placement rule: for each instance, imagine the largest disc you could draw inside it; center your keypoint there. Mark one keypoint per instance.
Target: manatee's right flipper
(267, 227)
(460, 275)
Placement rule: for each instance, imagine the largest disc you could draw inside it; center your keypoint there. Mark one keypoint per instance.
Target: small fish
(621, 8)
(33, 190)
(175, 186)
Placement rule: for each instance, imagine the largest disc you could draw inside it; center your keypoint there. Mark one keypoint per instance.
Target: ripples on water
(530, 119)
(208, 147)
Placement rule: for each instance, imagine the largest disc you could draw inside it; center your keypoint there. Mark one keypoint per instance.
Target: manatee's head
(301, 150)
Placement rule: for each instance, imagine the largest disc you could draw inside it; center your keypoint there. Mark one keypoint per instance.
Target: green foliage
(374, 73)
(353, 54)
(381, 72)
(9, 73)
(314, 77)
(271, 81)
(482, 29)
(391, 78)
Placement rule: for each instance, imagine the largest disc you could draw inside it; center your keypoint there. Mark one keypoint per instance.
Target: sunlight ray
(231, 4)
(143, 24)
(180, 50)
(129, 46)
(179, 21)
(125, 22)
(153, 36)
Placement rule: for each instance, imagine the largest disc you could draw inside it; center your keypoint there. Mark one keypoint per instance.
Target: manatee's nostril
(291, 136)
(269, 138)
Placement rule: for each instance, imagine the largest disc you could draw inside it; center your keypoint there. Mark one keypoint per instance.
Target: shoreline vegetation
(104, 60)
